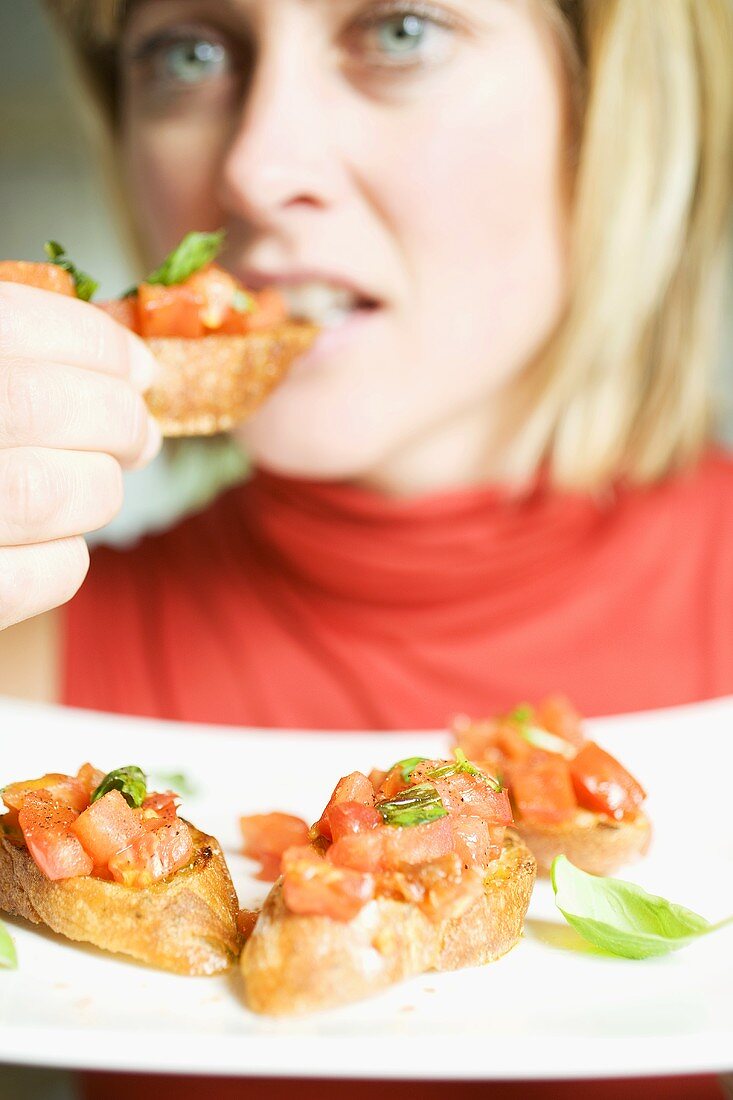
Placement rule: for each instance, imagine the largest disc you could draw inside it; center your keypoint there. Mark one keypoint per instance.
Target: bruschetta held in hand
(409, 870)
(569, 796)
(99, 859)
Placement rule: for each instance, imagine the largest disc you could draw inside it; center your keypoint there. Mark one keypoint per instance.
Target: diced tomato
(316, 886)
(90, 778)
(63, 788)
(558, 715)
(43, 276)
(10, 828)
(392, 783)
(441, 888)
(377, 778)
(46, 826)
(543, 793)
(476, 842)
(215, 288)
(153, 856)
(603, 785)
(270, 309)
(469, 794)
(417, 843)
(246, 921)
(107, 827)
(346, 818)
(267, 836)
(354, 787)
(169, 311)
(361, 851)
(123, 310)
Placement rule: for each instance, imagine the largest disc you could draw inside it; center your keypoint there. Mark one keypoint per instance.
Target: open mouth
(325, 304)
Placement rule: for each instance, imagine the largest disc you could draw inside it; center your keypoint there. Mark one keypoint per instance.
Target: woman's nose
(283, 155)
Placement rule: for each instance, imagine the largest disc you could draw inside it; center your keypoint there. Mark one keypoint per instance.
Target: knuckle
(28, 493)
(20, 403)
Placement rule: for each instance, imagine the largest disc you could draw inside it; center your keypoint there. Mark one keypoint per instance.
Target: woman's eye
(403, 38)
(184, 60)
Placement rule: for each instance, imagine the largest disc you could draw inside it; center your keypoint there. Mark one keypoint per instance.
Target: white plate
(546, 1010)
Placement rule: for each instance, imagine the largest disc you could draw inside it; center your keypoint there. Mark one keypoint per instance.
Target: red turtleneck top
(313, 605)
(302, 604)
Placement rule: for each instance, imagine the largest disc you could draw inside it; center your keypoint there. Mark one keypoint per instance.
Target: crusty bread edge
(294, 964)
(593, 842)
(186, 924)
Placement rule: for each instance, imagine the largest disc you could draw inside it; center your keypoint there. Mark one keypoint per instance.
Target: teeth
(320, 303)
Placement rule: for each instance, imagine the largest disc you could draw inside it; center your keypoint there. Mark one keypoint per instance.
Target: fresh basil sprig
(194, 252)
(129, 781)
(8, 956)
(86, 286)
(413, 806)
(408, 765)
(622, 918)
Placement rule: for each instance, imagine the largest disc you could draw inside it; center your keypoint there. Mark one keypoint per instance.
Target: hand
(71, 418)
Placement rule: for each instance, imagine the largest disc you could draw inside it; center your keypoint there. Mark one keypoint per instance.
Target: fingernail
(142, 365)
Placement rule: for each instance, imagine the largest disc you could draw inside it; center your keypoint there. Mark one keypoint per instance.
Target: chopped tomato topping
(346, 818)
(603, 785)
(476, 843)
(46, 826)
(43, 276)
(154, 855)
(267, 836)
(123, 310)
(390, 846)
(470, 794)
(351, 788)
(316, 886)
(361, 851)
(543, 792)
(169, 311)
(90, 778)
(10, 828)
(270, 309)
(215, 288)
(392, 783)
(558, 715)
(63, 788)
(441, 888)
(107, 827)
(377, 778)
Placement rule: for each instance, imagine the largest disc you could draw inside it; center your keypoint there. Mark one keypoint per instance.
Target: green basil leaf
(8, 956)
(413, 806)
(86, 286)
(129, 781)
(176, 781)
(408, 765)
(622, 918)
(194, 252)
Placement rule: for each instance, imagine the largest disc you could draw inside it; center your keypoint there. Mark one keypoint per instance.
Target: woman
(492, 476)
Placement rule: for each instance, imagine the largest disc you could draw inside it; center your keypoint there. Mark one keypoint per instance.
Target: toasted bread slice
(295, 964)
(593, 842)
(208, 385)
(187, 923)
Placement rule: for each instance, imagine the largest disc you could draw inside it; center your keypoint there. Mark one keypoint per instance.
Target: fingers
(55, 406)
(48, 494)
(38, 325)
(33, 579)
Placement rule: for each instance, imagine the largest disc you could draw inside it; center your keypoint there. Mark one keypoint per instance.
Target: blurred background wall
(51, 187)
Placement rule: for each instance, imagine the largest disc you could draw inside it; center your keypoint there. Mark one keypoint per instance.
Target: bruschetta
(220, 348)
(406, 871)
(569, 796)
(100, 859)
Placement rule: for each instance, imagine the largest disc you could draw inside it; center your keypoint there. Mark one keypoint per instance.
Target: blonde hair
(624, 387)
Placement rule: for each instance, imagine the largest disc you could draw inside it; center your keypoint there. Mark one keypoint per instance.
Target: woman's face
(401, 167)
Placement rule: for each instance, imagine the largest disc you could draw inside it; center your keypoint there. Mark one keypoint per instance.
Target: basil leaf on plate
(194, 252)
(129, 781)
(413, 806)
(8, 957)
(622, 918)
